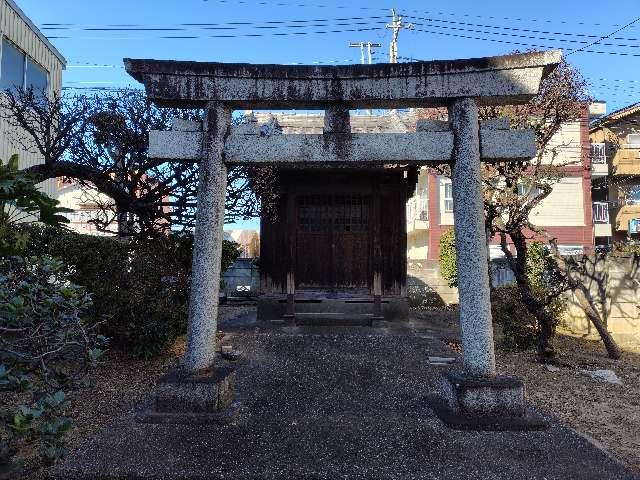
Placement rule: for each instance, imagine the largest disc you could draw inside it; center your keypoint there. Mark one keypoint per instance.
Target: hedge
(140, 289)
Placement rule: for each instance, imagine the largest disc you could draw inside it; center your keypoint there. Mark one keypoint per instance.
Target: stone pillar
(471, 246)
(477, 398)
(337, 119)
(207, 241)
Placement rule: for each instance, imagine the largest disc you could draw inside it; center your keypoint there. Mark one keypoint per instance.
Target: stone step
(335, 319)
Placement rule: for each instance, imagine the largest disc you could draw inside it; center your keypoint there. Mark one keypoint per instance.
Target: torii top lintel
(508, 79)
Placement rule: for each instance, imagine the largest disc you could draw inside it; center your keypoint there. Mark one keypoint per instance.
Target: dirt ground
(607, 413)
(115, 386)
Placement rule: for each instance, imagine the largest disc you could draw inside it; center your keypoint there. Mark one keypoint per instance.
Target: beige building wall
(19, 30)
(564, 206)
(84, 205)
(564, 147)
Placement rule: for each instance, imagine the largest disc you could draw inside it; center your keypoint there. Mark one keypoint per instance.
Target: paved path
(322, 403)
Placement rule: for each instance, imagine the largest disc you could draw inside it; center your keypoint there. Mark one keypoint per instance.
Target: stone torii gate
(460, 85)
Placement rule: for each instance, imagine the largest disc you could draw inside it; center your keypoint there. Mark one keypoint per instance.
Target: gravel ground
(608, 414)
(342, 402)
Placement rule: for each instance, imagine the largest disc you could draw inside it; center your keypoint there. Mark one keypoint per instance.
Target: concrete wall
(615, 283)
(423, 277)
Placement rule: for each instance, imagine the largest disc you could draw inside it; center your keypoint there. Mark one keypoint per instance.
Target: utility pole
(370, 45)
(396, 25)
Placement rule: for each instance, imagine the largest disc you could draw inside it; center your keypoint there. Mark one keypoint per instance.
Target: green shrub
(519, 327)
(47, 344)
(140, 288)
(21, 201)
(447, 256)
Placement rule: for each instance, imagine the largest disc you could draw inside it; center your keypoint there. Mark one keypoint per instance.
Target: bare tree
(514, 189)
(101, 142)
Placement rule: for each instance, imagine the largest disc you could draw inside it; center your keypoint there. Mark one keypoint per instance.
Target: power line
(604, 37)
(530, 45)
(454, 14)
(245, 35)
(528, 30)
(514, 35)
(267, 24)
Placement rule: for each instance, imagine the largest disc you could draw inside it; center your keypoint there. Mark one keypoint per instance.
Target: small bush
(140, 288)
(447, 256)
(519, 327)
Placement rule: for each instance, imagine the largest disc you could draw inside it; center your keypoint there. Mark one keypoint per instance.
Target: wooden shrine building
(333, 229)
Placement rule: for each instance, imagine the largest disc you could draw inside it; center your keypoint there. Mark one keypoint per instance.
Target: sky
(95, 36)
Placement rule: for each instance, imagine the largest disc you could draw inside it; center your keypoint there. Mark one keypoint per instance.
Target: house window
(523, 190)
(12, 67)
(36, 76)
(423, 208)
(633, 140)
(18, 70)
(598, 153)
(448, 197)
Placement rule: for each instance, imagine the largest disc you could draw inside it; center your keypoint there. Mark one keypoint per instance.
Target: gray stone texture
(493, 80)
(337, 119)
(498, 396)
(207, 242)
(471, 247)
(430, 144)
(206, 392)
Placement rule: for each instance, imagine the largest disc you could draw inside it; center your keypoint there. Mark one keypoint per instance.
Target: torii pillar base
(184, 397)
(480, 403)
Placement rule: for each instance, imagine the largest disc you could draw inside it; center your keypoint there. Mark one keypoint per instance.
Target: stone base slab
(484, 403)
(454, 420)
(188, 397)
(498, 396)
(272, 307)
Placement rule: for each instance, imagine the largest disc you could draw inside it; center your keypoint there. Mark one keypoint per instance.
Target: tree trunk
(613, 351)
(587, 304)
(546, 321)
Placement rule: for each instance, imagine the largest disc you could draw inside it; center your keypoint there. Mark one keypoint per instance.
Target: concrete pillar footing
(469, 402)
(186, 397)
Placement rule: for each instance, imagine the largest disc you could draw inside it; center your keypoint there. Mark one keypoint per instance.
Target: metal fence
(600, 212)
(242, 279)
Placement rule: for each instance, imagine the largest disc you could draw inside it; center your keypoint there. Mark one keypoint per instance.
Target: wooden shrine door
(333, 241)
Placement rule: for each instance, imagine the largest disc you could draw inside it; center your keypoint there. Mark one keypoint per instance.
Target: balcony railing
(598, 153)
(600, 212)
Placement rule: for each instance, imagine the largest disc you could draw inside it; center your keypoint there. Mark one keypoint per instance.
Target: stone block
(209, 391)
(477, 396)
(500, 123)
(182, 125)
(424, 125)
